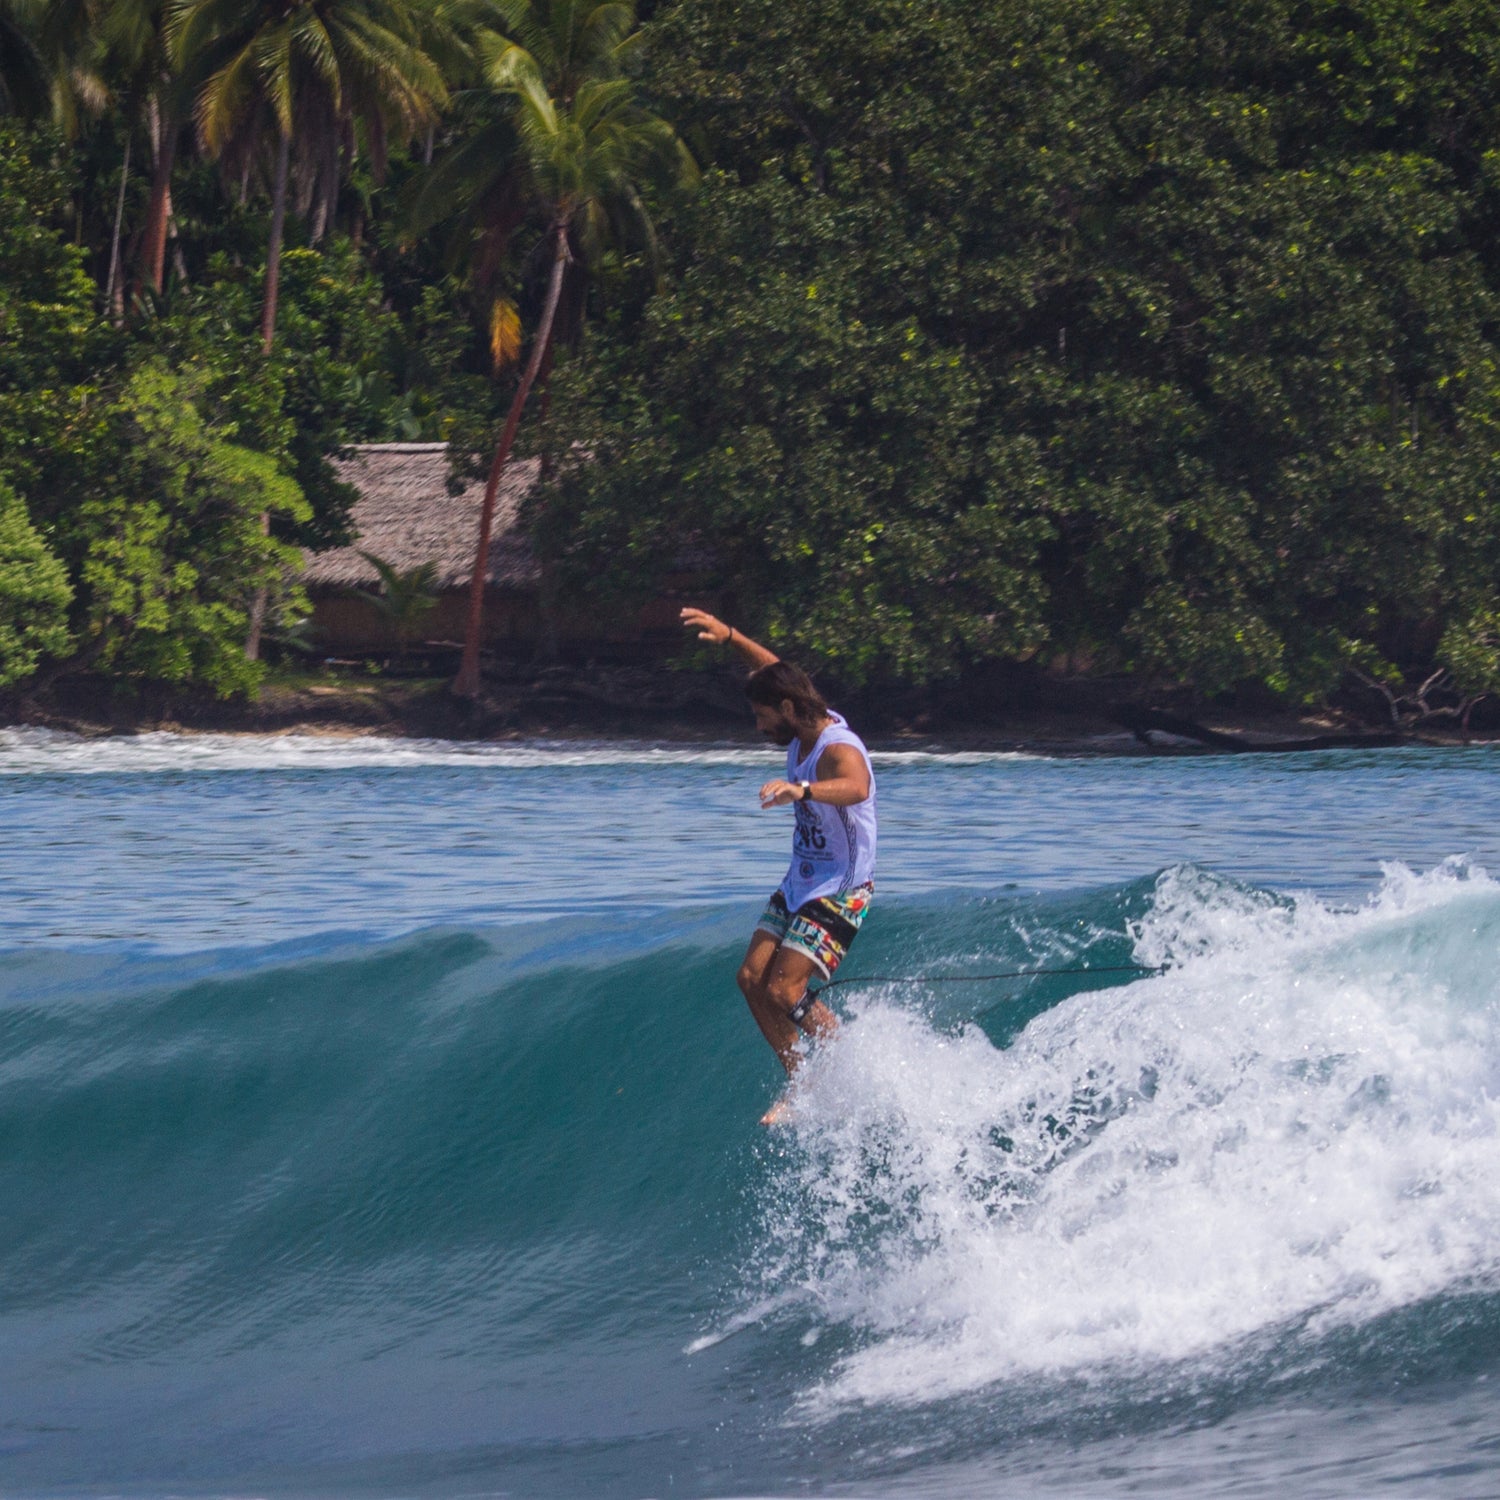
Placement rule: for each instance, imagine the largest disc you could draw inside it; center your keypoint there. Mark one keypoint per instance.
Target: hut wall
(345, 625)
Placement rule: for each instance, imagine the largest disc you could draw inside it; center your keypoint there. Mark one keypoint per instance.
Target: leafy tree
(52, 344)
(34, 594)
(137, 481)
(174, 551)
(1220, 285)
(816, 463)
(328, 382)
(1470, 648)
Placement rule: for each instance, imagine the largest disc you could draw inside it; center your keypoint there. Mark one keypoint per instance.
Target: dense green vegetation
(1143, 335)
(1153, 333)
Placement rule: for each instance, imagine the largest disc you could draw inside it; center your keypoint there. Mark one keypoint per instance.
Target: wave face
(1294, 1129)
(487, 1208)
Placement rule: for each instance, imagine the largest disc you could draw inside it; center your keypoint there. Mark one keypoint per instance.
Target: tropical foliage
(1134, 336)
(34, 594)
(1145, 336)
(315, 77)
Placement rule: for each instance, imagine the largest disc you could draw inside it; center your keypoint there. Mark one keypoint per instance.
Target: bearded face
(775, 723)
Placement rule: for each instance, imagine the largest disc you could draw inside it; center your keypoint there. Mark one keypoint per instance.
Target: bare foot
(780, 1113)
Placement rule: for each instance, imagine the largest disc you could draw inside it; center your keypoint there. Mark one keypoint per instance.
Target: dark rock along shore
(663, 703)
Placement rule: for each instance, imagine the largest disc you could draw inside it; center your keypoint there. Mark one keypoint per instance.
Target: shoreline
(679, 709)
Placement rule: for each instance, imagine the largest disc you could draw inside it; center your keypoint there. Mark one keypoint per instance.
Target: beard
(782, 735)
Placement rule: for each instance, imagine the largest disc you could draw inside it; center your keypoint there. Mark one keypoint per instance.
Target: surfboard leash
(1002, 974)
(810, 997)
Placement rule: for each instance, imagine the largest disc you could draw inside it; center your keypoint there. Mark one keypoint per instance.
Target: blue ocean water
(378, 1118)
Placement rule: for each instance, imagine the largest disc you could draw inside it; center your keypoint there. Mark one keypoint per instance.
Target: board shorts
(822, 929)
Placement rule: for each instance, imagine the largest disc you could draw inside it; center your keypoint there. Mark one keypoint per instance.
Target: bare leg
(786, 984)
(754, 973)
(784, 974)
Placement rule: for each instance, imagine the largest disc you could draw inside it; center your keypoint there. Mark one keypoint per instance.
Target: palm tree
(119, 54)
(305, 77)
(406, 598)
(61, 56)
(584, 148)
(134, 55)
(309, 75)
(113, 54)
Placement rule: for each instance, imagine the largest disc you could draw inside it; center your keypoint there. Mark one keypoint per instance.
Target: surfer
(814, 914)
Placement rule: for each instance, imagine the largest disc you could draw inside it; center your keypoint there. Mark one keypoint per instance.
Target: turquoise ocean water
(378, 1118)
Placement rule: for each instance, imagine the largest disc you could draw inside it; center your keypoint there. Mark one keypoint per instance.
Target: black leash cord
(981, 978)
(810, 996)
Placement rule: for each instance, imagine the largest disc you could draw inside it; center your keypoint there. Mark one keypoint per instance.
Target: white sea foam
(1296, 1127)
(51, 752)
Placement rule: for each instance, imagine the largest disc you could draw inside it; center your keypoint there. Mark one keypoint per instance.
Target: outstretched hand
(708, 626)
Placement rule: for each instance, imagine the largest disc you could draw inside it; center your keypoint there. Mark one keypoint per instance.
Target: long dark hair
(779, 682)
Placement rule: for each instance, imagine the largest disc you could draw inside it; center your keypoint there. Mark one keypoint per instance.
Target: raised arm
(711, 629)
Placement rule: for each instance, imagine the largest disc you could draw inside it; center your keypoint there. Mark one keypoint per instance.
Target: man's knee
(749, 980)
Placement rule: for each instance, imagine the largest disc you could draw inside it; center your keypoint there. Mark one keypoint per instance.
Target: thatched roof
(405, 516)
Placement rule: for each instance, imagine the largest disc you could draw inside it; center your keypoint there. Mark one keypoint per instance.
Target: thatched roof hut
(406, 516)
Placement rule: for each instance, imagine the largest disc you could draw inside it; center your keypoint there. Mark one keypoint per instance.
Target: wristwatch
(806, 791)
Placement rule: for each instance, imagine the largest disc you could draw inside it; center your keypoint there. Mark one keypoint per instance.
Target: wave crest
(1298, 1126)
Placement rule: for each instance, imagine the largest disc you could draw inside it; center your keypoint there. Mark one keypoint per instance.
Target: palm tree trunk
(257, 605)
(116, 281)
(267, 338)
(273, 249)
(159, 211)
(466, 684)
(544, 399)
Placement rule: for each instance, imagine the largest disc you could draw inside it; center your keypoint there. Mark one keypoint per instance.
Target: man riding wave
(816, 911)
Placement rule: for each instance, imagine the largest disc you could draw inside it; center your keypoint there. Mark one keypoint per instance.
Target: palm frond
(505, 335)
(311, 50)
(462, 177)
(508, 66)
(272, 54)
(598, 99)
(223, 97)
(603, 31)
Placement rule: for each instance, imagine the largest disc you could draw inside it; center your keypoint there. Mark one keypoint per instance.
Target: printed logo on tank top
(809, 840)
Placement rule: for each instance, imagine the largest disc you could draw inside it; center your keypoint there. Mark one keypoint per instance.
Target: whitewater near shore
(651, 704)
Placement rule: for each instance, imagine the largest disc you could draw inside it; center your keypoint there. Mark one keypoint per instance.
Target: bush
(34, 595)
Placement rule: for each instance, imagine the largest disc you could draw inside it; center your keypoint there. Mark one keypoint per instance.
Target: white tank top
(833, 848)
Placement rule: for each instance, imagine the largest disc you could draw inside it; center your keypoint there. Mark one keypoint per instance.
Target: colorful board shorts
(822, 929)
